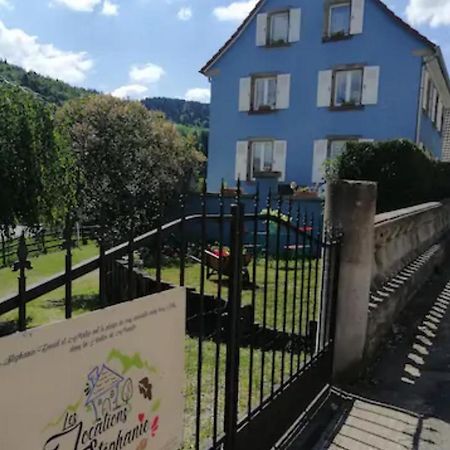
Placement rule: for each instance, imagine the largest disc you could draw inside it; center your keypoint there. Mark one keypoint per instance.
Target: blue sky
(138, 48)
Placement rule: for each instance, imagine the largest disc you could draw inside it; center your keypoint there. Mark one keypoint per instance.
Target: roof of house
(106, 380)
(391, 13)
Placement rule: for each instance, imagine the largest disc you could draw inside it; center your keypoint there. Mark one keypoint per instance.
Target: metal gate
(261, 292)
(288, 343)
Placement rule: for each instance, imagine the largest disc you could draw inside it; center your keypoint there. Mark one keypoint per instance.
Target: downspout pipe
(419, 109)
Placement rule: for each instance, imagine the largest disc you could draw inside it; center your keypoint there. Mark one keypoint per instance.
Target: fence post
(3, 250)
(130, 266)
(350, 206)
(233, 335)
(44, 250)
(68, 268)
(20, 266)
(102, 274)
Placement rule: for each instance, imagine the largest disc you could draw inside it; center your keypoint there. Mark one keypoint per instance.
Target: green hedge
(406, 175)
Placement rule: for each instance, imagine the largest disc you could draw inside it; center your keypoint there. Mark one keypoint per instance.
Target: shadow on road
(403, 401)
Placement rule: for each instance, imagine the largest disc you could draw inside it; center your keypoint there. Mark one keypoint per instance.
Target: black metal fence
(38, 242)
(261, 291)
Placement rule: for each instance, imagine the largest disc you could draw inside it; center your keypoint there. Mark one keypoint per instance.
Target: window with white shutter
(426, 79)
(241, 164)
(347, 87)
(429, 97)
(357, 17)
(339, 20)
(433, 105)
(319, 158)
(279, 159)
(370, 85)
(440, 112)
(264, 94)
(283, 91)
(262, 152)
(245, 92)
(278, 28)
(267, 158)
(295, 20)
(261, 29)
(268, 93)
(324, 84)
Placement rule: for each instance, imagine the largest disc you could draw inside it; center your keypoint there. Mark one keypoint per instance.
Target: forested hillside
(193, 114)
(53, 91)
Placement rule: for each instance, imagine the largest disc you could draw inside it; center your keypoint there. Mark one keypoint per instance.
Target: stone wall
(403, 235)
(409, 245)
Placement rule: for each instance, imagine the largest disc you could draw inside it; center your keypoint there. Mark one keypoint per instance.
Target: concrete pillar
(351, 206)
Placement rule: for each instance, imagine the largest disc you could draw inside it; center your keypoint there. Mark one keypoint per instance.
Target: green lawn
(44, 266)
(275, 365)
(50, 307)
(278, 313)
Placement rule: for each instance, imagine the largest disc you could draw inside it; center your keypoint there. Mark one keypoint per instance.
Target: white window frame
(265, 106)
(348, 86)
(270, 17)
(252, 153)
(337, 139)
(336, 6)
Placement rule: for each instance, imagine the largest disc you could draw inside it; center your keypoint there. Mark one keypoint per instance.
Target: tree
(28, 159)
(119, 158)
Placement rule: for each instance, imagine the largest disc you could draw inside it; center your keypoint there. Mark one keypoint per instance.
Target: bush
(406, 175)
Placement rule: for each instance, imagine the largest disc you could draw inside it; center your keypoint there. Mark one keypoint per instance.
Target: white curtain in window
(339, 19)
(348, 86)
(265, 93)
(262, 156)
(279, 27)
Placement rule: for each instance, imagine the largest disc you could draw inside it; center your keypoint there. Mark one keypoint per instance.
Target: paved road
(404, 402)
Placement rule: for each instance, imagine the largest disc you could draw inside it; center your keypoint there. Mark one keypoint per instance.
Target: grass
(50, 307)
(44, 266)
(270, 307)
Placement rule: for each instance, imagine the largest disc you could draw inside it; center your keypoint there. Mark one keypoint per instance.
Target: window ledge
(274, 45)
(257, 175)
(257, 112)
(337, 37)
(346, 108)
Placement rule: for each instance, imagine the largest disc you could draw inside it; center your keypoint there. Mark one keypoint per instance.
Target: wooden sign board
(108, 380)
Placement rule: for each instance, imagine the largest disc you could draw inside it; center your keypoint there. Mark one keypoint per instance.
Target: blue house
(301, 78)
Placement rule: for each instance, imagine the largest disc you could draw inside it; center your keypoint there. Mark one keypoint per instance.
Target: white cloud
(6, 4)
(198, 95)
(26, 51)
(236, 11)
(110, 8)
(147, 73)
(80, 5)
(185, 13)
(432, 12)
(131, 91)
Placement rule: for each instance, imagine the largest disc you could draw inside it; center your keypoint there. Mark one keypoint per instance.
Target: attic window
(339, 20)
(278, 30)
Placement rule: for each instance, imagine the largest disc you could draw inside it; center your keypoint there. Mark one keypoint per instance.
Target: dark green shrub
(406, 175)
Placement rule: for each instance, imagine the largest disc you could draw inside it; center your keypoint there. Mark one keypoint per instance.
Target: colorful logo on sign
(117, 410)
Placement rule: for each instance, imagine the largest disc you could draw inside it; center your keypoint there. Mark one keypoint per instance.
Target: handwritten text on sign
(108, 380)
